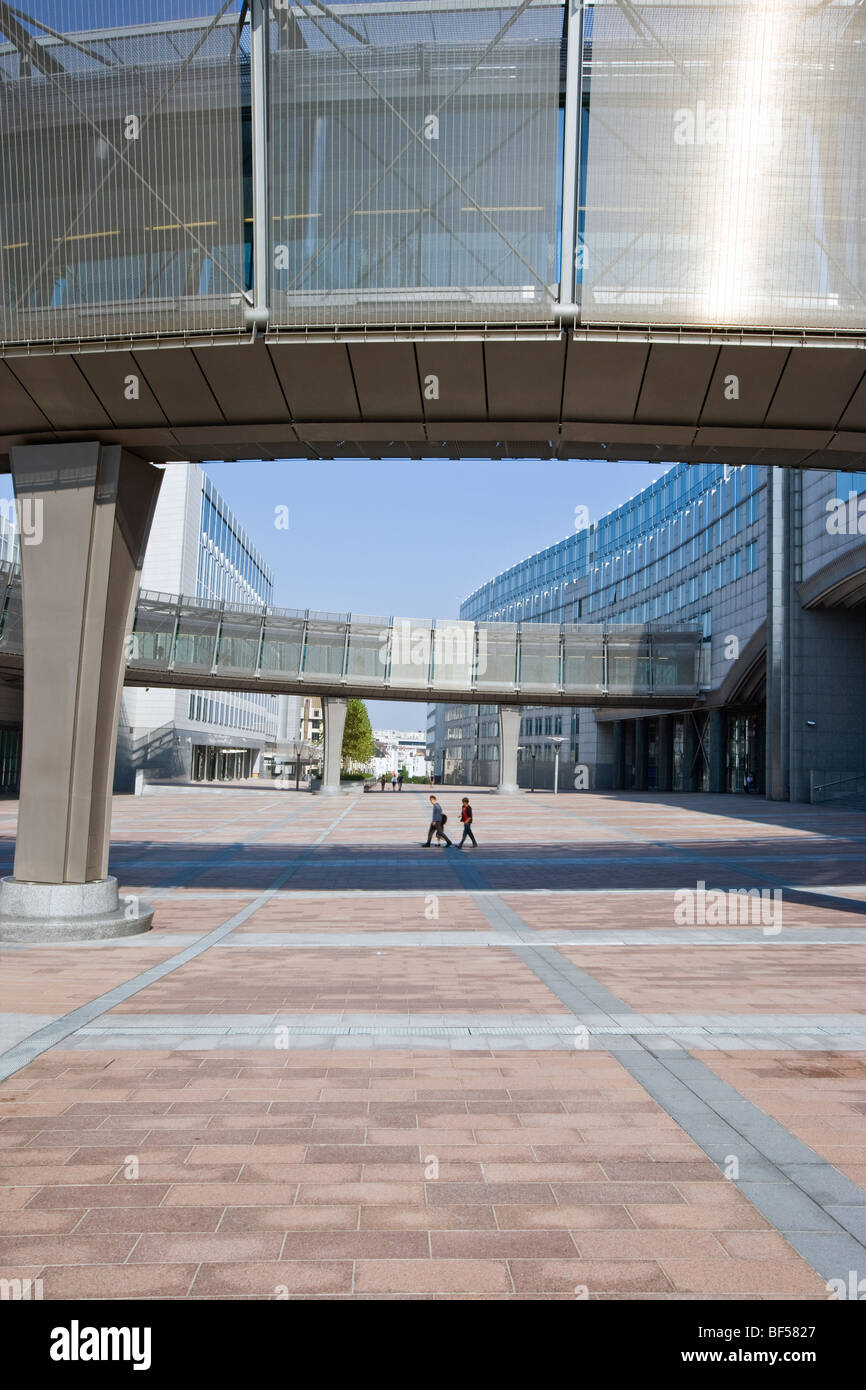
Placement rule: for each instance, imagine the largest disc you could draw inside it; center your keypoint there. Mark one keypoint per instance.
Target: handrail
(837, 782)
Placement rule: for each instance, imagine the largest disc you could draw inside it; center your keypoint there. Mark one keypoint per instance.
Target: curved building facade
(762, 562)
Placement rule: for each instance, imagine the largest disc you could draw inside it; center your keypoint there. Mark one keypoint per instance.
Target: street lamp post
(533, 753)
(557, 741)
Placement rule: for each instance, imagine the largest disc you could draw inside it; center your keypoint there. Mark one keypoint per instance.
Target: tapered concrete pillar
(665, 753)
(641, 756)
(80, 571)
(509, 736)
(333, 722)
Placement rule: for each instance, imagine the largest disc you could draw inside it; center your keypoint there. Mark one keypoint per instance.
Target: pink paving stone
(432, 1276)
(303, 1170)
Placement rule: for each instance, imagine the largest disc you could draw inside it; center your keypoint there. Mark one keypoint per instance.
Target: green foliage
(358, 742)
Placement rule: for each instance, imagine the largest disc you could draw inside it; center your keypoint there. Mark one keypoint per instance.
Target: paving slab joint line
(24, 1052)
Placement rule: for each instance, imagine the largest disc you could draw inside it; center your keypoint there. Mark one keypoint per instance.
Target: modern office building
(198, 548)
(695, 546)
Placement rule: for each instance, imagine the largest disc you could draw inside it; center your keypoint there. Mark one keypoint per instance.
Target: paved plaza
(576, 1062)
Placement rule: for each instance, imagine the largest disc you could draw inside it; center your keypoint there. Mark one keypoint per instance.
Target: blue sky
(407, 538)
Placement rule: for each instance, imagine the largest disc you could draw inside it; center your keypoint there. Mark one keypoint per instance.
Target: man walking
(466, 818)
(437, 826)
(400, 781)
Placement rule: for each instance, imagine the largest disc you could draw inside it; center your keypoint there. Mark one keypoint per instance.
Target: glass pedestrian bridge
(190, 643)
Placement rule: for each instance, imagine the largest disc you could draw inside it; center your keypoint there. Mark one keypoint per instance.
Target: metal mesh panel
(414, 168)
(121, 181)
(725, 182)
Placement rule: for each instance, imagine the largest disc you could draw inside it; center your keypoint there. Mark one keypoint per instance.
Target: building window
(751, 557)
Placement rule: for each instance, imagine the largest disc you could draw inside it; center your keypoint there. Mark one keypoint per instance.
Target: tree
(358, 742)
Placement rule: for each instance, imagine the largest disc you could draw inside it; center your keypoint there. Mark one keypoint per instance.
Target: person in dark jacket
(466, 818)
(437, 826)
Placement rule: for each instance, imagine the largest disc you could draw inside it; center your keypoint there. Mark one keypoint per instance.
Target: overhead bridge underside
(182, 643)
(525, 396)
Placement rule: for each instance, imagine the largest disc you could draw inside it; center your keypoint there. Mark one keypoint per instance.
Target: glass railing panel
(239, 644)
(676, 662)
(539, 657)
(583, 661)
(367, 661)
(282, 646)
(497, 656)
(410, 652)
(628, 661)
(454, 655)
(324, 651)
(195, 647)
(152, 636)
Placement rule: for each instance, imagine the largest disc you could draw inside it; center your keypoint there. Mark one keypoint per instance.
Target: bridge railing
(191, 638)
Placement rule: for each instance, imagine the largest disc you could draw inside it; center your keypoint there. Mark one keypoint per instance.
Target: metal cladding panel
(117, 382)
(524, 380)
(244, 382)
(452, 380)
(675, 383)
(386, 379)
(743, 384)
(414, 162)
(180, 386)
(855, 413)
(603, 380)
(724, 179)
(816, 386)
(121, 180)
(317, 380)
(60, 391)
(18, 411)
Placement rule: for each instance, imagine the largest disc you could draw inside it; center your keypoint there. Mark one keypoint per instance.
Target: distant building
(198, 548)
(396, 749)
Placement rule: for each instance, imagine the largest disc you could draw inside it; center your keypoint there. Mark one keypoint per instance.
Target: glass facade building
(687, 549)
